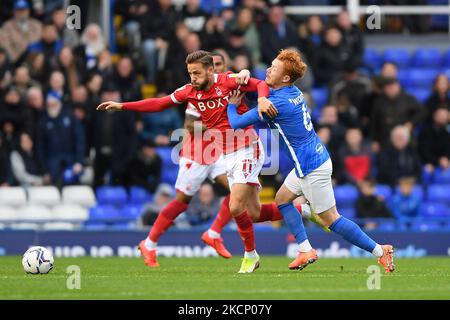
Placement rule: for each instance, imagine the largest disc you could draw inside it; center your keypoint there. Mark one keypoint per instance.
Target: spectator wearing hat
(144, 169)
(60, 140)
(25, 166)
(20, 31)
(392, 108)
(112, 135)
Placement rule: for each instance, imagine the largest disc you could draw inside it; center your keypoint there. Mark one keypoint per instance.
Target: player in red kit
(207, 95)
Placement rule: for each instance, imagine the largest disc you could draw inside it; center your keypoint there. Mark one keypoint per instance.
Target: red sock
(246, 231)
(165, 218)
(223, 217)
(270, 212)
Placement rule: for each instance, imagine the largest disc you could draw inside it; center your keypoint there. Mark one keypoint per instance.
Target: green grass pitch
(215, 278)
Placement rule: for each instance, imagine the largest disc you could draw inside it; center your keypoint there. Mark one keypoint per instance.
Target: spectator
(352, 38)
(14, 111)
(434, 141)
(332, 57)
(36, 64)
(164, 194)
(5, 68)
(25, 166)
(50, 45)
(311, 38)
(5, 167)
(105, 65)
(369, 205)
(22, 81)
(144, 169)
(133, 13)
(157, 127)
(277, 33)
(91, 45)
(398, 159)
(70, 69)
(54, 153)
(440, 97)
(79, 99)
(394, 107)
(389, 70)
(240, 62)
(236, 45)
(157, 31)
(244, 23)
(405, 204)
(329, 117)
(204, 205)
(347, 112)
(57, 86)
(20, 31)
(94, 83)
(193, 16)
(126, 80)
(112, 135)
(35, 106)
(68, 37)
(355, 158)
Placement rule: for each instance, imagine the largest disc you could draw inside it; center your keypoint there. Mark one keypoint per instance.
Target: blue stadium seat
(427, 58)
(383, 190)
(315, 114)
(111, 195)
(345, 195)
(372, 58)
(439, 193)
(403, 77)
(441, 176)
(435, 210)
(399, 56)
(169, 170)
(420, 94)
(139, 195)
(131, 212)
(259, 73)
(103, 213)
(320, 97)
(417, 191)
(447, 72)
(349, 212)
(425, 226)
(422, 78)
(446, 59)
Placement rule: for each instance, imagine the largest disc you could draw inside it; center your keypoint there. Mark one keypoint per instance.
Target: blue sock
(351, 232)
(294, 221)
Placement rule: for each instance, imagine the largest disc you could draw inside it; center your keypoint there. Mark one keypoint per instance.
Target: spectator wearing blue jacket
(405, 204)
(60, 140)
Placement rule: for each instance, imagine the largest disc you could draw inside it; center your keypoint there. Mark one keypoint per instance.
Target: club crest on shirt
(218, 91)
(199, 96)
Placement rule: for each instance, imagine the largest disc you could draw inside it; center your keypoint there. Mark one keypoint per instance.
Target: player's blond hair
(294, 66)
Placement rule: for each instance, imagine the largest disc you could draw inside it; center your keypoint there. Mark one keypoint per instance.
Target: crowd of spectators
(52, 78)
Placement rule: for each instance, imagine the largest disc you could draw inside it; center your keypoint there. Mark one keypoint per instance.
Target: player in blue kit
(312, 171)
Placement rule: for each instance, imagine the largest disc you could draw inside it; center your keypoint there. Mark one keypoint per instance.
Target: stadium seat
(426, 58)
(425, 226)
(34, 212)
(139, 195)
(59, 226)
(259, 73)
(399, 56)
(417, 191)
(13, 196)
(104, 213)
(403, 77)
(420, 94)
(372, 58)
(441, 176)
(7, 213)
(345, 195)
(112, 196)
(131, 212)
(46, 196)
(387, 226)
(348, 212)
(439, 193)
(446, 59)
(70, 212)
(81, 195)
(435, 210)
(169, 170)
(422, 78)
(383, 190)
(320, 97)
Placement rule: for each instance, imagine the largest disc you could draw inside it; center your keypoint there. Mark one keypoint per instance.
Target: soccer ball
(37, 260)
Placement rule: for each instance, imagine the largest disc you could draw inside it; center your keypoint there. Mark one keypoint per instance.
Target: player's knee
(236, 207)
(329, 216)
(182, 197)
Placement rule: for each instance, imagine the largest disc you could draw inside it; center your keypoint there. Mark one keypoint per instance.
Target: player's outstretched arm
(146, 105)
(240, 121)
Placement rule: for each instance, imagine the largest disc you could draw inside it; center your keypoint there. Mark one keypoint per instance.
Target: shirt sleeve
(252, 85)
(240, 121)
(192, 111)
